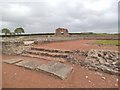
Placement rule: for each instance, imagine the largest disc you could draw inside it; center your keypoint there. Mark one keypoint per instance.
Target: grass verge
(108, 42)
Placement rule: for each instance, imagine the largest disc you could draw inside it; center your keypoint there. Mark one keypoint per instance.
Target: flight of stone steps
(47, 54)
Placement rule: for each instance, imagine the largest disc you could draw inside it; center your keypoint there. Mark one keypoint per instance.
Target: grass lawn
(108, 42)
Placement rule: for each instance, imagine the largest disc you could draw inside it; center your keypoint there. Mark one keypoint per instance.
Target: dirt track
(17, 77)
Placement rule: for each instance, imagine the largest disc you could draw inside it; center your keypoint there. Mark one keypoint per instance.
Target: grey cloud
(37, 17)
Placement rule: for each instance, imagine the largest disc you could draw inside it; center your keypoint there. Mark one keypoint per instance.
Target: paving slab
(12, 61)
(29, 64)
(56, 68)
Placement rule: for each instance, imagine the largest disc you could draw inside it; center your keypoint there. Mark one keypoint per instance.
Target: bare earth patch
(77, 44)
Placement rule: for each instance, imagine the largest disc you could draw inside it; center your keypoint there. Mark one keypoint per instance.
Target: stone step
(12, 61)
(55, 68)
(51, 50)
(51, 54)
(44, 57)
(29, 64)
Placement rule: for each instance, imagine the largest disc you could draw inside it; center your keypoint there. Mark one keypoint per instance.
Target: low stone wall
(72, 56)
(18, 47)
(12, 48)
(102, 60)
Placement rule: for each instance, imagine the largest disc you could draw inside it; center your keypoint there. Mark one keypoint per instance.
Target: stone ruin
(99, 60)
(61, 32)
(103, 60)
(13, 48)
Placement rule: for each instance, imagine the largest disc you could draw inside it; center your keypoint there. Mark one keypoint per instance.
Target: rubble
(28, 42)
(12, 48)
(103, 60)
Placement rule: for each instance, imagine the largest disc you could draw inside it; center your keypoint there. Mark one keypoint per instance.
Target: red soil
(17, 77)
(77, 44)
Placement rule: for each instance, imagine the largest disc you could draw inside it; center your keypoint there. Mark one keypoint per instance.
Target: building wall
(61, 32)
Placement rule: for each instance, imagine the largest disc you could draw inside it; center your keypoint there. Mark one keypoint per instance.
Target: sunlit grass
(108, 42)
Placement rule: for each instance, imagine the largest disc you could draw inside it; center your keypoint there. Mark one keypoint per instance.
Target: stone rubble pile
(80, 52)
(103, 60)
(12, 48)
(71, 57)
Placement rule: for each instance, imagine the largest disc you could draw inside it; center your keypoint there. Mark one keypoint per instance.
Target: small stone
(89, 81)
(86, 76)
(117, 79)
(4, 72)
(73, 65)
(114, 63)
(116, 85)
(48, 85)
(15, 73)
(99, 73)
(103, 78)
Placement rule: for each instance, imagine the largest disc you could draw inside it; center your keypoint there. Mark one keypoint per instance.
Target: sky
(44, 16)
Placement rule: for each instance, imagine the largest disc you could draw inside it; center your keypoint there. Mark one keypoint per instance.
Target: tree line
(6, 31)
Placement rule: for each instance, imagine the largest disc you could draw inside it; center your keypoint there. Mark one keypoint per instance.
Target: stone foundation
(12, 48)
(103, 60)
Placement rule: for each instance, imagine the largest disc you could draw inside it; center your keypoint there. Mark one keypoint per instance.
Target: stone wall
(61, 32)
(76, 53)
(102, 60)
(12, 48)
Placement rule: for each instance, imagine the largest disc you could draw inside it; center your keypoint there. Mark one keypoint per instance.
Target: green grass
(108, 42)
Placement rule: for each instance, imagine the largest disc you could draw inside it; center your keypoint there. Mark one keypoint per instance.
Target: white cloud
(46, 16)
(14, 12)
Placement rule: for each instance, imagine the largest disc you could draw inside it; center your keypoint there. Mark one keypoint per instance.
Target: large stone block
(12, 61)
(28, 42)
(29, 64)
(58, 69)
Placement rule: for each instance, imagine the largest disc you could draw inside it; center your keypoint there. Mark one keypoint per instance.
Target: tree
(19, 30)
(6, 31)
